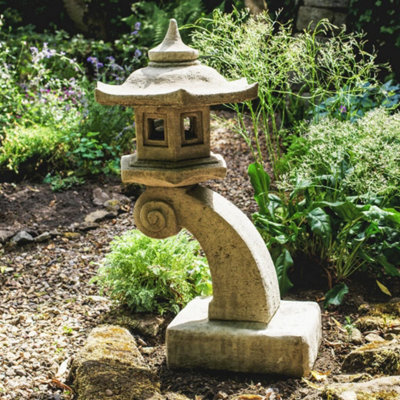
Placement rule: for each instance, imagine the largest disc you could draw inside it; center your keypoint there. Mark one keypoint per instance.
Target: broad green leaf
(344, 209)
(334, 296)
(390, 269)
(259, 179)
(282, 264)
(320, 224)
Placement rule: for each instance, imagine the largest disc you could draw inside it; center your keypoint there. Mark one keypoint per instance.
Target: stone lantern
(244, 326)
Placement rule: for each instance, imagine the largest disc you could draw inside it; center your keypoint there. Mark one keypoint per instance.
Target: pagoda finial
(172, 49)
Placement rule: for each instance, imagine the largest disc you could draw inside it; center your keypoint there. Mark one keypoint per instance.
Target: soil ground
(48, 304)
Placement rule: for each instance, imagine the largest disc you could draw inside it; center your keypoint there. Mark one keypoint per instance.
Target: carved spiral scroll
(156, 219)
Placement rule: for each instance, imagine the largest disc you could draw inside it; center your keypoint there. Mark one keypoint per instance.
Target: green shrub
(33, 145)
(371, 146)
(294, 72)
(154, 275)
(316, 221)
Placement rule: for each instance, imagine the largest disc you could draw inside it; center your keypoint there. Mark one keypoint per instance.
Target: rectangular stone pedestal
(288, 345)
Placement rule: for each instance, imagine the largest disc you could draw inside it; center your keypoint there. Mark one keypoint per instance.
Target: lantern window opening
(155, 130)
(191, 128)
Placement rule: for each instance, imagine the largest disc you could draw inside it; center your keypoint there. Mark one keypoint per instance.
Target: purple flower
(111, 59)
(137, 26)
(343, 109)
(134, 32)
(99, 65)
(138, 53)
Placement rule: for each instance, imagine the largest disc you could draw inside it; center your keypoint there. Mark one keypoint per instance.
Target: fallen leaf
(319, 376)
(383, 288)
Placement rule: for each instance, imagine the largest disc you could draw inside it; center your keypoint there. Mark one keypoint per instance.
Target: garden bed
(48, 305)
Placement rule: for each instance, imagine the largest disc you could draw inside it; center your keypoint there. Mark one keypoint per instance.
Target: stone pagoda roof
(174, 77)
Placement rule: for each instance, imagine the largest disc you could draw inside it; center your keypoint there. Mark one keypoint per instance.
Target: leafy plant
(154, 275)
(294, 72)
(371, 145)
(351, 104)
(317, 220)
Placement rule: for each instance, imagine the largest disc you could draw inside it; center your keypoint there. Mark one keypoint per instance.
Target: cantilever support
(244, 280)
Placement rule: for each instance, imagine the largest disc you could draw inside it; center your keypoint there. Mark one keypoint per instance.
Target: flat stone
(356, 336)
(327, 3)
(6, 235)
(99, 215)
(374, 358)
(381, 388)
(373, 337)
(43, 237)
(99, 196)
(22, 237)
(288, 345)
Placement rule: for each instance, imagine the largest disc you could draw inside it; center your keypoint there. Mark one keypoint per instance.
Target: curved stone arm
(245, 285)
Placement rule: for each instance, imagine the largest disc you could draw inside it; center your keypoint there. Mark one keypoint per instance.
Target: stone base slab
(288, 345)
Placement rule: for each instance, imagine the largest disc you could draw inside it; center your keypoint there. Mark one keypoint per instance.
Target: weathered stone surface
(111, 366)
(355, 336)
(385, 388)
(112, 205)
(327, 3)
(99, 196)
(145, 325)
(99, 215)
(373, 337)
(245, 286)
(374, 358)
(6, 235)
(310, 16)
(22, 237)
(43, 237)
(175, 77)
(182, 173)
(288, 345)
(382, 316)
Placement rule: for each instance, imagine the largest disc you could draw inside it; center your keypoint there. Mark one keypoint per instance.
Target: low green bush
(371, 146)
(30, 145)
(338, 203)
(154, 275)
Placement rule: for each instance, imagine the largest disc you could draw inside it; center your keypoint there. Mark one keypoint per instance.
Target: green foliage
(154, 275)
(155, 18)
(371, 146)
(317, 220)
(29, 145)
(294, 72)
(351, 104)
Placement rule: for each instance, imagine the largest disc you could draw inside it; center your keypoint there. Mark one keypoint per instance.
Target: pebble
(43, 237)
(356, 336)
(373, 337)
(22, 237)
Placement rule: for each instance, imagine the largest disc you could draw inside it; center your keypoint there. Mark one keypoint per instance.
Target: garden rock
(374, 358)
(112, 205)
(5, 235)
(373, 337)
(99, 196)
(22, 237)
(99, 215)
(111, 366)
(356, 336)
(380, 388)
(145, 325)
(379, 317)
(43, 237)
